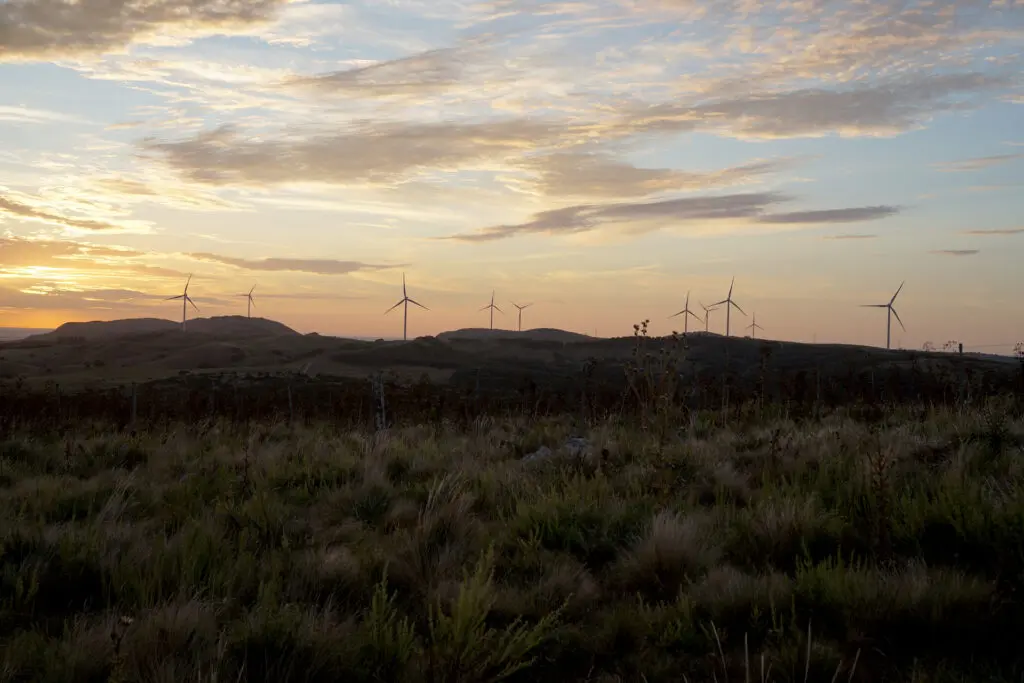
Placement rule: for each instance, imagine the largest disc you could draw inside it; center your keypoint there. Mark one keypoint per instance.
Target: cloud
(18, 251)
(853, 215)
(854, 236)
(161, 191)
(989, 233)
(31, 259)
(20, 210)
(568, 174)
(883, 108)
(418, 74)
(14, 114)
(47, 29)
(380, 153)
(48, 297)
(977, 163)
(317, 266)
(955, 252)
(586, 217)
(642, 216)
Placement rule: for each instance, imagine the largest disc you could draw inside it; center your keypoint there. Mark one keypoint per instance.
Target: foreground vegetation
(832, 549)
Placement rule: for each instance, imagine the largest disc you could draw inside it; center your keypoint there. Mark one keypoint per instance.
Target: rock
(541, 454)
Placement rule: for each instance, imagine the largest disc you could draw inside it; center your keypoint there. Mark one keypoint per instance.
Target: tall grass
(831, 549)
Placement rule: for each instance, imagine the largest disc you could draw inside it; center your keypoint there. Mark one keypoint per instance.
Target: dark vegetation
(705, 526)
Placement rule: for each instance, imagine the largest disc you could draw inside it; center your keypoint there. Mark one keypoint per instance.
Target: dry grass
(831, 550)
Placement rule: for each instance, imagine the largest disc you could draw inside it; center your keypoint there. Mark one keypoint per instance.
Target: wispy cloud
(47, 29)
(316, 266)
(978, 163)
(994, 232)
(643, 216)
(19, 209)
(35, 259)
(586, 217)
(414, 75)
(598, 175)
(13, 114)
(955, 252)
(853, 215)
(852, 236)
(884, 108)
(380, 153)
(126, 301)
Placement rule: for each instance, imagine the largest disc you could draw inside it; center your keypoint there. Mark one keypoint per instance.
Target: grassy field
(831, 550)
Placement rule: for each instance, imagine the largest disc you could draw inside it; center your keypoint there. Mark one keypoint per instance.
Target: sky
(597, 158)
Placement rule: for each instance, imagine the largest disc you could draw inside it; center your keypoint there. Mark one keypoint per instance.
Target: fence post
(135, 405)
(381, 418)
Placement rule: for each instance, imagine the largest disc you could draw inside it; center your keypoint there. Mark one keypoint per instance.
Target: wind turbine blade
(738, 307)
(724, 301)
(394, 307)
(499, 310)
(897, 293)
(404, 294)
(417, 303)
(252, 301)
(172, 298)
(874, 305)
(897, 318)
(695, 316)
(189, 299)
(485, 307)
(252, 290)
(731, 284)
(676, 315)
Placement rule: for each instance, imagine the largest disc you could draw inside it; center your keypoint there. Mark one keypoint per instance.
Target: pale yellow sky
(599, 159)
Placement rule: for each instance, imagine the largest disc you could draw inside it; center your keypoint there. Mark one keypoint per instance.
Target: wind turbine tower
(493, 308)
(251, 301)
(754, 327)
(892, 312)
(729, 305)
(406, 301)
(707, 314)
(521, 309)
(686, 313)
(185, 301)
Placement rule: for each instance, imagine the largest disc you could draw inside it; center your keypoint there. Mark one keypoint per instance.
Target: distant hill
(222, 326)
(541, 334)
(15, 333)
(106, 329)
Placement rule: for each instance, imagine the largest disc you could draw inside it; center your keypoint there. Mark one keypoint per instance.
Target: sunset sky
(597, 157)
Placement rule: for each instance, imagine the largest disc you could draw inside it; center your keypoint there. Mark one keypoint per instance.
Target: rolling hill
(112, 353)
(222, 326)
(540, 334)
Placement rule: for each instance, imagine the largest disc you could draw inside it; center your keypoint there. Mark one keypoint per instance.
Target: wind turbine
(754, 327)
(707, 314)
(892, 312)
(185, 301)
(251, 302)
(521, 309)
(405, 300)
(686, 313)
(729, 304)
(493, 309)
